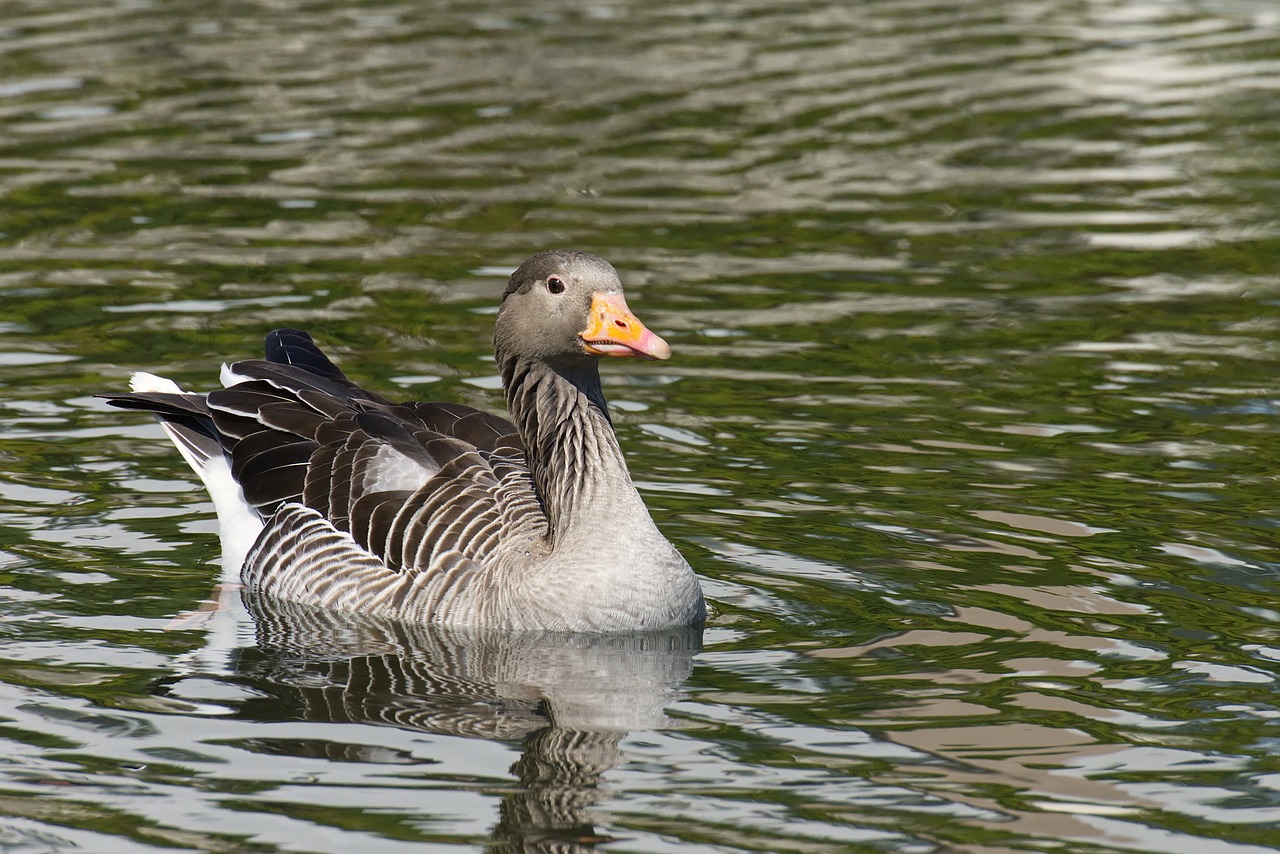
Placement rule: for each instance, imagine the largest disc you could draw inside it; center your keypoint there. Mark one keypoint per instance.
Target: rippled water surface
(972, 428)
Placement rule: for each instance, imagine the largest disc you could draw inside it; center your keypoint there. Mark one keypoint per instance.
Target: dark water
(972, 428)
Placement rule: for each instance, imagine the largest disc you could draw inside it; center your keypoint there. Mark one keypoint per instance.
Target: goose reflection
(569, 699)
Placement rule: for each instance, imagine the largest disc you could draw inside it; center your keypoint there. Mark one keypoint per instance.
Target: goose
(333, 496)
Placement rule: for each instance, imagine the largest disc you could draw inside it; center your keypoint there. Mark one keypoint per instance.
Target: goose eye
(555, 285)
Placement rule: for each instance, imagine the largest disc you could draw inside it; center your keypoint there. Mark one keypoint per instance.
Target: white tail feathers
(238, 523)
(145, 383)
(229, 377)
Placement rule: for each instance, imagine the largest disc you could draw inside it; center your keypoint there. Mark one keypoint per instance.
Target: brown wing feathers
(409, 482)
(416, 484)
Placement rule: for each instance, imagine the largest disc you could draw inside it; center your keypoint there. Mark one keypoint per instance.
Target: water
(971, 428)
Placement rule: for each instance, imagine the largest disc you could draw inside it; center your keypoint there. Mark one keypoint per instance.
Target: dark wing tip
(295, 347)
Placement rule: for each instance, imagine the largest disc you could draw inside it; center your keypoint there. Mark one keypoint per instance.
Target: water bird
(332, 495)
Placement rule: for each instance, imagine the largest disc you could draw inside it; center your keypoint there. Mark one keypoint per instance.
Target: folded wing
(419, 488)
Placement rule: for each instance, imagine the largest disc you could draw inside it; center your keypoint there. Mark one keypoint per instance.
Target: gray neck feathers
(577, 467)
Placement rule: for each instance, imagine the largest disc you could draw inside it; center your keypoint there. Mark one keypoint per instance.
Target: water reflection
(569, 700)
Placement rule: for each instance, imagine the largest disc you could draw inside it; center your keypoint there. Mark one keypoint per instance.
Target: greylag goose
(334, 496)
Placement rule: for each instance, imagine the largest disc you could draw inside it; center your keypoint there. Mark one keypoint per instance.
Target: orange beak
(612, 330)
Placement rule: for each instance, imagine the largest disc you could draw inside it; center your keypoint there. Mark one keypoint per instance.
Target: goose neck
(577, 467)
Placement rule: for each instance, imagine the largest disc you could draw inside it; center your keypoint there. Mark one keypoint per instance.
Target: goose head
(567, 307)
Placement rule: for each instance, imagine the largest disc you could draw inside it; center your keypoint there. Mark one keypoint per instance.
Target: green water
(971, 429)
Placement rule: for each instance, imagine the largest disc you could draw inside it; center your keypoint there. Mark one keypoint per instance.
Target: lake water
(972, 428)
